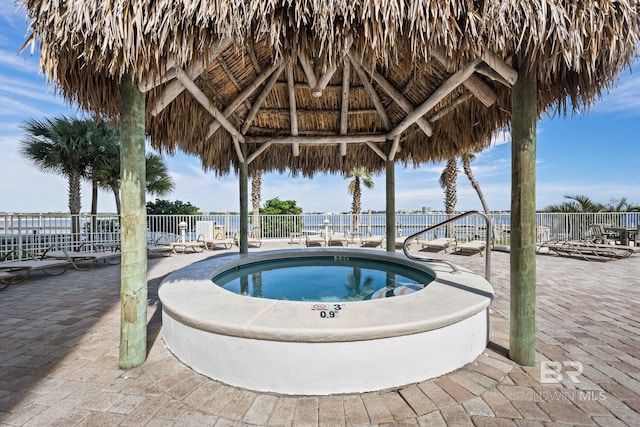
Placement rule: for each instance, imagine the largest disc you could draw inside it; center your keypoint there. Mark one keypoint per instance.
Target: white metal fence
(37, 232)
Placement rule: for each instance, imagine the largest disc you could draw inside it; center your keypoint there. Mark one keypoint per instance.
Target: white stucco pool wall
(286, 347)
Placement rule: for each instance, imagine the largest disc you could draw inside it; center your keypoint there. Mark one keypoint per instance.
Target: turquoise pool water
(325, 279)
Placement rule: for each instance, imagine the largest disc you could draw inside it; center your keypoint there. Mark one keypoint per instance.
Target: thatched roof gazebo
(312, 86)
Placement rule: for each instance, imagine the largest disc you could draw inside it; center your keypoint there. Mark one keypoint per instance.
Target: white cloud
(22, 63)
(623, 99)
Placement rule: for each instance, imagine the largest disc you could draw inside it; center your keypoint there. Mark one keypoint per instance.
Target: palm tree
(158, 180)
(358, 173)
(467, 158)
(256, 184)
(577, 203)
(61, 145)
(448, 184)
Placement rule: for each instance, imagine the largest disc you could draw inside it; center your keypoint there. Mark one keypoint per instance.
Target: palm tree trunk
(133, 282)
(451, 191)
(94, 208)
(356, 203)
(75, 204)
(466, 166)
(256, 184)
(116, 194)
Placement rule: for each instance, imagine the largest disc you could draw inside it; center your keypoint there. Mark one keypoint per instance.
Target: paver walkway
(59, 341)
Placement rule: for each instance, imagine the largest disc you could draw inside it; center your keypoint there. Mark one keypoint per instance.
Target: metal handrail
(487, 267)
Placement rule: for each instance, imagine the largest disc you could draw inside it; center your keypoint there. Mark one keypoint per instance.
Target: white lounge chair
(439, 244)
(338, 239)
(314, 240)
(16, 266)
(470, 246)
(85, 258)
(372, 241)
(251, 241)
(213, 235)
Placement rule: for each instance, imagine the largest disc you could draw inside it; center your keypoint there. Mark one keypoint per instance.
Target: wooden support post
(243, 237)
(522, 329)
(133, 227)
(390, 207)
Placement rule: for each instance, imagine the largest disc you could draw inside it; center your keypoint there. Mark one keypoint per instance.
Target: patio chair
(439, 244)
(17, 265)
(314, 240)
(470, 246)
(338, 239)
(85, 257)
(251, 240)
(161, 246)
(372, 241)
(599, 234)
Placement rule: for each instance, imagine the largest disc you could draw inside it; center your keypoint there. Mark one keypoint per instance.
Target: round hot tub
(325, 345)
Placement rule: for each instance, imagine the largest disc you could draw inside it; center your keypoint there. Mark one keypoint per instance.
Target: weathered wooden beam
(323, 81)
(242, 96)
(481, 90)
(522, 328)
(236, 146)
(315, 112)
(175, 88)
(398, 98)
(394, 148)
(305, 62)
(259, 151)
(474, 84)
(376, 150)
(319, 140)
(293, 115)
(382, 112)
(390, 199)
(260, 100)
(243, 237)
(133, 223)
(452, 106)
(248, 45)
(201, 97)
(489, 72)
(501, 67)
(158, 80)
(445, 89)
(344, 105)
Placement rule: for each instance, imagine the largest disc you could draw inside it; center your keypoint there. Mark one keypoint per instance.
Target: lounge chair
(213, 235)
(338, 239)
(400, 241)
(17, 265)
(197, 245)
(251, 241)
(85, 257)
(470, 246)
(314, 240)
(439, 244)
(588, 250)
(161, 247)
(372, 241)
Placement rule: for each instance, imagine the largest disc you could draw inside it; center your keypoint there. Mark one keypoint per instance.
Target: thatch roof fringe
(575, 48)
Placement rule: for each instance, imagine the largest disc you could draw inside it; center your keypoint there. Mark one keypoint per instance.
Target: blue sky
(594, 153)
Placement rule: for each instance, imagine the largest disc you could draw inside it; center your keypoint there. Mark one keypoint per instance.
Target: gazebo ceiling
(325, 85)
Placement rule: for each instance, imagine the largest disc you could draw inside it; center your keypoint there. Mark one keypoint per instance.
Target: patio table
(625, 233)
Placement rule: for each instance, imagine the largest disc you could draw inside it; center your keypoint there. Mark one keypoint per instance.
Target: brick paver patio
(59, 341)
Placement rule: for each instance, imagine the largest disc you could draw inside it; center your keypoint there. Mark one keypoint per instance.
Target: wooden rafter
(474, 84)
(292, 107)
(243, 95)
(201, 97)
(445, 89)
(377, 150)
(319, 140)
(260, 99)
(259, 151)
(150, 83)
(236, 146)
(307, 68)
(344, 106)
(398, 98)
(394, 148)
(450, 107)
(372, 93)
(175, 88)
(248, 45)
(501, 67)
